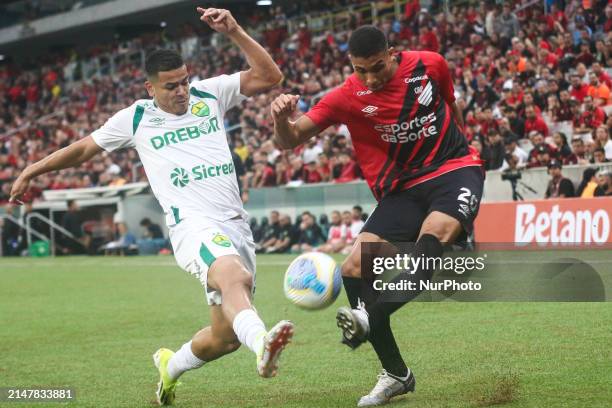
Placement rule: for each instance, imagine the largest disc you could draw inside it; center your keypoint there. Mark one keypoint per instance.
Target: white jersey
(186, 158)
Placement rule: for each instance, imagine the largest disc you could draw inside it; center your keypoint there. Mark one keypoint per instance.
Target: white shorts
(197, 242)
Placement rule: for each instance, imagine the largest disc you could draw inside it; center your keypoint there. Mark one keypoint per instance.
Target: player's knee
(351, 267)
(441, 226)
(228, 272)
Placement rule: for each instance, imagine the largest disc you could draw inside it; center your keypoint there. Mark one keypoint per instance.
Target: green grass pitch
(93, 324)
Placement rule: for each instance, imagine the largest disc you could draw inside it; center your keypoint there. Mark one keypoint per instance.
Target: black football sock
(383, 342)
(428, 246)
(352, 287)
(381, 335)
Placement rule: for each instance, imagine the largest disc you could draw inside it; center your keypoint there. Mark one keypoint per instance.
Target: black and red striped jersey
(405, 133)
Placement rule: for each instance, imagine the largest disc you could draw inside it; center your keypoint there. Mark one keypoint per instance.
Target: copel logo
(554, 226)
(419, 78)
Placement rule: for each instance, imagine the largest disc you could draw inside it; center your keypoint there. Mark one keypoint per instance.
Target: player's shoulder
(210, 87)
(128, 113)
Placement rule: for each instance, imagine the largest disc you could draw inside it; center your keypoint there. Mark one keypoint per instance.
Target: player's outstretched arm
(70, 156)
(263, 73)
(289, 134)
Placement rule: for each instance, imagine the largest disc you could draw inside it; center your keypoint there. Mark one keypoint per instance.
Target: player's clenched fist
(283, 106)
(220, 20)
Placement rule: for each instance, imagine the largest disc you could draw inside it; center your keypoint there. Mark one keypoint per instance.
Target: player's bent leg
(353, 321)
(206, 345)
(229, 276)
(216, 340)
(442, 226)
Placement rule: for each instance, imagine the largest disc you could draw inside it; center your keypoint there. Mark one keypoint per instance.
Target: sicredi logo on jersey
(181, 177)
(408, 131)
(185, 134)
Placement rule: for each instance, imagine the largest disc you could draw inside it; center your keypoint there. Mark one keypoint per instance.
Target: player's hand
(283, 106)
(220, 20)
(19, 188)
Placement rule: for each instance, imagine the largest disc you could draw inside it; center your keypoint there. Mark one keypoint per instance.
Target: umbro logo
(157, 121)
(369, 110)
(426, 95)
(362, 93)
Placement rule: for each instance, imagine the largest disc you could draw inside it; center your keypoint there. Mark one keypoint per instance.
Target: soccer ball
(313, 281)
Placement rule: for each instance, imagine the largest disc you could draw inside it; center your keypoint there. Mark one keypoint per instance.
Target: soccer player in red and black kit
(407, 133)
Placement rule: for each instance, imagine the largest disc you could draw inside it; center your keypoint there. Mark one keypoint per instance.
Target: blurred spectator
(533, 122)
(493, 152)
(311, 151)
(72, 222)
(586, 188)
(336, 237)
(310, 234)
(602, 138)
(558, 186)
(604, 184)
(151, 230)
(348, 169)
(125, 241)
(270, 233)
(579, 151)
(285, 237)
(506, 25)
(598, 90)
(564, 151)
(599, 156)
(542, 156)
(512, 148)
(357, 220)
(152, 241)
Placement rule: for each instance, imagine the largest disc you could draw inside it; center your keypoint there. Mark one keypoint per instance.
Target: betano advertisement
(546, 223)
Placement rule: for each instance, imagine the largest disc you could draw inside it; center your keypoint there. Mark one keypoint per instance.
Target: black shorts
(398, 217)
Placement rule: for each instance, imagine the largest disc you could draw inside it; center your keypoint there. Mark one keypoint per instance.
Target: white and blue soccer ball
(313, 281)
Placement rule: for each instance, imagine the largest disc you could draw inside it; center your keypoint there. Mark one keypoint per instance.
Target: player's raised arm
(70, 156)
(289, 134)
(263, 73)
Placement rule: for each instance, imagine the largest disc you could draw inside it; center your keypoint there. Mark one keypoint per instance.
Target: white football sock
(183, 360)
(250, 329)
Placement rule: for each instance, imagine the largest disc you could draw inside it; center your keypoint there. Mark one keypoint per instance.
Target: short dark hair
(162, 60)
(145, 222)
(366, 41)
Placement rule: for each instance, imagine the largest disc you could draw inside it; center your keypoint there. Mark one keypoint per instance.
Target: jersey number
(465, 196)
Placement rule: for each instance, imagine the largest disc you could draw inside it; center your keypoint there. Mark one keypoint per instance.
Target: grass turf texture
(93, 324)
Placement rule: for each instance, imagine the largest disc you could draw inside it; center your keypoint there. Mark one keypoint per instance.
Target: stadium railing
(54, 229)
(17, 221)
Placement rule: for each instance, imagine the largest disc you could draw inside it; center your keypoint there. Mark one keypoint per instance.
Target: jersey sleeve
(442, 74)
(328, 111)
(118, 131)
(225, 88)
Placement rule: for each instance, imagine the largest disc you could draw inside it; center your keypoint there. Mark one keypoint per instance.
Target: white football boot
(387, 387)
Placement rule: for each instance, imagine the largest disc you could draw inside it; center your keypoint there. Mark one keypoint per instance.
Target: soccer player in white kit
(181, 140)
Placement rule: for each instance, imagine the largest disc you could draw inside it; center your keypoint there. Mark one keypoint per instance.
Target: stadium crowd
(533, 87)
